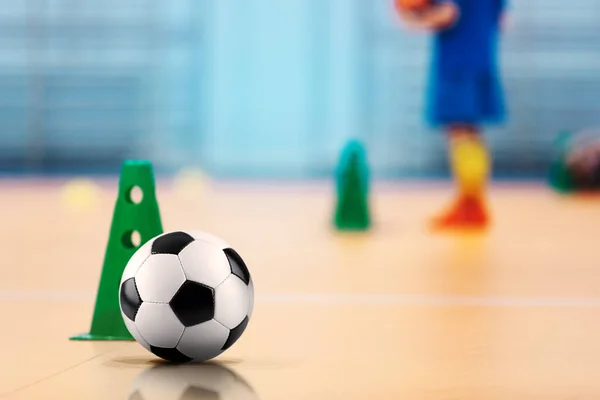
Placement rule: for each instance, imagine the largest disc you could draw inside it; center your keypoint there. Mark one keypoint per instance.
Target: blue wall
(267, 87)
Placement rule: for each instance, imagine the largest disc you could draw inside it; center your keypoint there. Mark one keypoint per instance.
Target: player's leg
(461, 101)
(470, 166)
(469, 160)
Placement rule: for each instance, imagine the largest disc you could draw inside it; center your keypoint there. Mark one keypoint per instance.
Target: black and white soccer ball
(190, 381)
(583, 160)
(186, 296)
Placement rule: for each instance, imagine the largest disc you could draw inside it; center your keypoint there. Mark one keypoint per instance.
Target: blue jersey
(465, 84)
(472, 42)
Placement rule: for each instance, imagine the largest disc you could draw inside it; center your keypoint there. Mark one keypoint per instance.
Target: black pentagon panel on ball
(193, 303)
(130, 299)
(238, 266)
(196, 392)
(172, 355)
(171, 243)
(235, 334)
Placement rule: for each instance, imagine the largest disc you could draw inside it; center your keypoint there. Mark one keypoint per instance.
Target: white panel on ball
(204, 341)
(136, 261)
(231, 302)
(210, 238)
(205, 263)
(136, 333)
(250, 298)
(158, 325)
(159, 278)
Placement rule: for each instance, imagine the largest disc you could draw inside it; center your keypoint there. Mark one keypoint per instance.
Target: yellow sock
(470, 164)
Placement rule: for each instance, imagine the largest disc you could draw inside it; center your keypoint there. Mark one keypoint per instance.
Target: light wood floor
(398, 313)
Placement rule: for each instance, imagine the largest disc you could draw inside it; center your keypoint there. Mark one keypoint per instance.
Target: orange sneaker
(465, 213)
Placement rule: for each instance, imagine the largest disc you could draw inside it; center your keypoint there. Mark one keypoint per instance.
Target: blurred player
(465, 93)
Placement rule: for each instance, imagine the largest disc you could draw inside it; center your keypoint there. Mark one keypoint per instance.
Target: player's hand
(443, 16)
(439, 17)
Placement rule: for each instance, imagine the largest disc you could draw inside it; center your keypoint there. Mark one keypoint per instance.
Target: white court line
(352, 299)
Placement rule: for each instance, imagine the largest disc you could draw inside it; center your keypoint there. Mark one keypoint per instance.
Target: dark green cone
(352, 180)
(128, 217)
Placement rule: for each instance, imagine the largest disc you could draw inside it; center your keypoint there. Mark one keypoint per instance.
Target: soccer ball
(583, 160)
(190, 381)
(186, 296)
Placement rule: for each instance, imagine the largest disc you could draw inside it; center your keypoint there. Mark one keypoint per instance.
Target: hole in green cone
(135, 195)
(131, 239)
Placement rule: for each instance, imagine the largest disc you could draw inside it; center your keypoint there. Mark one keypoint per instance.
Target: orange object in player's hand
(411, 5)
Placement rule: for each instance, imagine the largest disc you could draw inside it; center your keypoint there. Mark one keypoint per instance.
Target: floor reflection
(208, 381)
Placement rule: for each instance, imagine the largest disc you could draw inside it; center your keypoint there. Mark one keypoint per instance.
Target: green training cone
(131, 215)
(352, 208)
(559, 177)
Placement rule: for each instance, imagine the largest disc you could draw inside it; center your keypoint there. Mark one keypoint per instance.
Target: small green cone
(128, 217)
(352, 175)
(560, 178)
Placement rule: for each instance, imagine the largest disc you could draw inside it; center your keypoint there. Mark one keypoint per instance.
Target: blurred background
(206, 83)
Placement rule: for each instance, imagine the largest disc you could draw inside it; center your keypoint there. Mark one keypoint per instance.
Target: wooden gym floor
(395, 314)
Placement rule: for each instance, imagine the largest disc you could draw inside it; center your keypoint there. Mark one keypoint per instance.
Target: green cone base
(90, 337)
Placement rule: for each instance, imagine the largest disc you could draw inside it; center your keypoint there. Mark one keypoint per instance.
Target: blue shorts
(465, 97)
